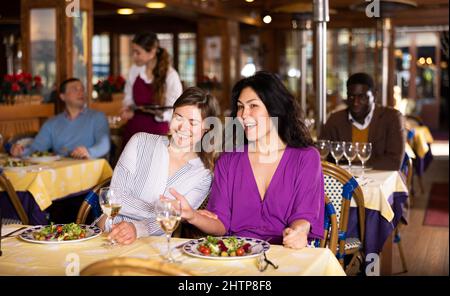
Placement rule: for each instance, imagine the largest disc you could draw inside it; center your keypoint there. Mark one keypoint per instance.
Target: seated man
(364, 121)
(77, 132)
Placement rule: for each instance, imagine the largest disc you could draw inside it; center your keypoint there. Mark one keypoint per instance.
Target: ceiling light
(267, 19)
(156, 5)
(249, 1)
(125, 11)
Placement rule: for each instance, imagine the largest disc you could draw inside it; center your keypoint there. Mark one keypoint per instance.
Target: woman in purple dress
(151, 81)
(272, 188)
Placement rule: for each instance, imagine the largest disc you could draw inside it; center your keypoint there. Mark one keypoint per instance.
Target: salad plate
(226, 247)
(42, 157)
(60, 233)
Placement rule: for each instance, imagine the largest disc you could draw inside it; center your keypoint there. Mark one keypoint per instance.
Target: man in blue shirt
(77, 132)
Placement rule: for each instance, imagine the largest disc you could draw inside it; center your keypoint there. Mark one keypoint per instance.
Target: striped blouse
(143, 169)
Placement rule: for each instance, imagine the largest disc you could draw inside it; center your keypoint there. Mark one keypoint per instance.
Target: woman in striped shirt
(151, 164)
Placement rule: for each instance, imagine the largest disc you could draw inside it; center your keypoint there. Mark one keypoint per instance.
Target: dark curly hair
(279, 103)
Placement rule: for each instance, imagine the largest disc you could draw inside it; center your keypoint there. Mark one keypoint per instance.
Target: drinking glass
(364, 151)
(324, 148)
(350, 153)
(168, 214)
(111, 202)
(337, 150)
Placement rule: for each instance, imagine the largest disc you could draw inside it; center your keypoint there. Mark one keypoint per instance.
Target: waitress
(151, 81)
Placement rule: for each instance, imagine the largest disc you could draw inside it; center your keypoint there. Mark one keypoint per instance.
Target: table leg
(386, 256)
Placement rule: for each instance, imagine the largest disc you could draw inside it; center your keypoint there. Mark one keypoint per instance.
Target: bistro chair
(340, 188)
(330, 235)
(407, 173)
(128, 266)
(91, 202)
(6, 185)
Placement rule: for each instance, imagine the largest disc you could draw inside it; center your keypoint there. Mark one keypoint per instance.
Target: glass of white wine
(168, 214)
(364, 152)
(324, 148)
(337, 150)
(111, 202)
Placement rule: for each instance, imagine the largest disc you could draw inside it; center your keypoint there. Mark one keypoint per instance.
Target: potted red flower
(108, 87)
(20, 88)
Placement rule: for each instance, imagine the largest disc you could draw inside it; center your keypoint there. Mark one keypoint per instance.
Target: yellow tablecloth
(422, 137)
(50, 181)
(22, 258)
(381, 185)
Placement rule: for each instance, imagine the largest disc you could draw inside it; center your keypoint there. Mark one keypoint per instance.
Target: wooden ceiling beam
(214, 9)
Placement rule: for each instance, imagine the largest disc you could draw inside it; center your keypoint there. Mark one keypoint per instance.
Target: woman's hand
(187, 212)
(295, 238)
(126, 113)
(124, 233)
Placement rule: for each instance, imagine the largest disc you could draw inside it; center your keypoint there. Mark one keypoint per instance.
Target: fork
(269, 262)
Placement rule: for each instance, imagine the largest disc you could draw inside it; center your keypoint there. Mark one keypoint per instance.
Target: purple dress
(143, 94)
(296, 191)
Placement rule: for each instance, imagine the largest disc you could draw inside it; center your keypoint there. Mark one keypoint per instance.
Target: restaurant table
(420, 139)
(24, 258)
(385, 202)
(39, 185)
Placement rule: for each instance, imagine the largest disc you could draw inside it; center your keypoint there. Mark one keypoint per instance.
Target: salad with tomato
(224, 247)
(60, 232)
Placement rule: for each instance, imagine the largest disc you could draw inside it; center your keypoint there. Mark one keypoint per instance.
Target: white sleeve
(128, 98)
(174, 89)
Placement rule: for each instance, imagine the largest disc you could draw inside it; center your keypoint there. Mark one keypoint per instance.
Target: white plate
(91, 232)
(258, 246)
(42, 159)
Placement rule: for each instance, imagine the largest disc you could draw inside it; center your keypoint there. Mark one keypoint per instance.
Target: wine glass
(324, 148)
(350, 153)
(364, 151)
(168, 214)
(111, 202)
(337, 150)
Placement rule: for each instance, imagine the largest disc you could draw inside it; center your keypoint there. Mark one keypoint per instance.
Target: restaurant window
(363, 42)
(186, 58)
(337, 65)
(250, 57)
(166, 42)
(80, 46)
(100, 57)
(290, 64)
(43, 47)
(418, 67)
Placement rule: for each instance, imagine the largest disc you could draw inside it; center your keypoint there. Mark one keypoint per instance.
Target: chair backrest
(340, 188)
(407, 170)
(133, 267)
(86, 206)
(330, 235)
(6, 185)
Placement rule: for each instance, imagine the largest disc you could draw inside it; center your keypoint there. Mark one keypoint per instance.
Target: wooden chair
(6, 185)
(330, 236)
(128, 266)
(340, 188)
(407, 172)
(85, 207)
